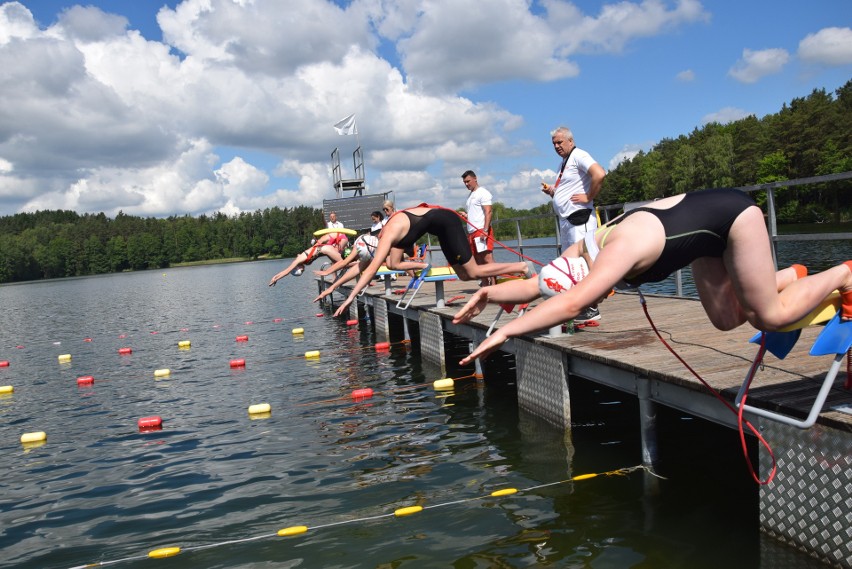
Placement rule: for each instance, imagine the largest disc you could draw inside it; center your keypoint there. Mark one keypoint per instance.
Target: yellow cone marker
(259, 408)
(407, 511)
(292, 530)
(164, 552)
(35, 437)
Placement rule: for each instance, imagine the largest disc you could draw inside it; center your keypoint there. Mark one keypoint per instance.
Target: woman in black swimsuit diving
(720, 233)
(405, 227)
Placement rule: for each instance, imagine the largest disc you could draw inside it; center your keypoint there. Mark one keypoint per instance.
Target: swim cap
(366, 246)
(554, 276)
(297, 272)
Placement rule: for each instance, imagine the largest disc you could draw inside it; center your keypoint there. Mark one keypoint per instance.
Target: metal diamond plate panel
(542, 389)
(809, 503)
(432, 339)
(380, 320)
(353, 310)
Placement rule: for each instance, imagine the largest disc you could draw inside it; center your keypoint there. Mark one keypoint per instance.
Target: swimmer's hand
(487, 346)
(342, 308)
(473, 307)
(273, 281)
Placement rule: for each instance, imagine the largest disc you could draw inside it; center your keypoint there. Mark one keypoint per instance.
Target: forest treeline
(811, 136)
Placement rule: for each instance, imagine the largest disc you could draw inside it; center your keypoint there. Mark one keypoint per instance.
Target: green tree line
(50, 244)
(811, 136)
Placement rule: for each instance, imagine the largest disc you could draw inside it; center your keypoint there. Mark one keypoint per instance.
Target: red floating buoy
(4, 363)
(383, 346)
(320, 314)
(249, 323)
(85, 380)
(125, 351)
(87, 339)
(153, 423)
(359, 394)
(238, 363)
(351, 322)
(242, 338)
(277, 319)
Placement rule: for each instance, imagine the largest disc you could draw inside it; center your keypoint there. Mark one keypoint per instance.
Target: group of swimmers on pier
(719, 233)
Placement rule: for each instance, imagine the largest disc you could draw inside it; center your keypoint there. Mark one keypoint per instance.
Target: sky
(164, 107)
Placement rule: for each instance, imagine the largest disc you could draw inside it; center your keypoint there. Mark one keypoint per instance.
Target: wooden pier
(808, 505)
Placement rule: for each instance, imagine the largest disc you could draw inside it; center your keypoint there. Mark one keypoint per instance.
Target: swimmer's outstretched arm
(515, 291)
(344, 278)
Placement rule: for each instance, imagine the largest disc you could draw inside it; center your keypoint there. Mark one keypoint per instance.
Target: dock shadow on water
(219, 483)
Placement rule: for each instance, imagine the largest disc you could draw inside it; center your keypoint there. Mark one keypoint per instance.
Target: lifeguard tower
(354, 211)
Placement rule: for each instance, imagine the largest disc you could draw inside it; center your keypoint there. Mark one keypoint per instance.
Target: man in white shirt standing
(578, 183)
(332, 221)
(480, 234)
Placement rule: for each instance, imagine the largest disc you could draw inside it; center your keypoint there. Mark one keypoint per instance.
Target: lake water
(220, 484)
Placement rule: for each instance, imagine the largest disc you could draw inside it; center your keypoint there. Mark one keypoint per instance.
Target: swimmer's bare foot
(846, 298)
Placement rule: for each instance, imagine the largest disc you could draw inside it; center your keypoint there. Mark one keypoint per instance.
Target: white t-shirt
(575, 180)
(475, 213)
(335, 225)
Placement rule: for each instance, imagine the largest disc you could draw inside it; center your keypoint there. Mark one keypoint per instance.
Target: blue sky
(196, 106)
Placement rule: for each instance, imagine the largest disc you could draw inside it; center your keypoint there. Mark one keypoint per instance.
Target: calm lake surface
(100, 490)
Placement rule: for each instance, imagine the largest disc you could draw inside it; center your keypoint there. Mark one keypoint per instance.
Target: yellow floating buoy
(165, 372)
(35, 437)
(6, 389)
(164, 552)
(259, 408)
(64, 358)
(584, 477)
(312, 355)
(504, 492)
(185, 344)
(292, 530)
(444, 384)
(407, 511)
(297, 331)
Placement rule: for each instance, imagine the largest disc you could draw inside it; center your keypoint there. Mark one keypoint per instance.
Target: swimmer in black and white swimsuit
(405, 227)
(696, 227)
(719, 233)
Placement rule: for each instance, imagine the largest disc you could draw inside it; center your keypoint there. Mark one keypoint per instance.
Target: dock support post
(380, 316)
(647, 421)
(542, 383)
(432, 340)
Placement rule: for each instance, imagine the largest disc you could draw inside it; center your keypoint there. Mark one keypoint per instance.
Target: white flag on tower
(346, 126)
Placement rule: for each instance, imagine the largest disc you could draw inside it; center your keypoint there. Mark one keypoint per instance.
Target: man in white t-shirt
(578, 183)
(332, 221)
(480, 234)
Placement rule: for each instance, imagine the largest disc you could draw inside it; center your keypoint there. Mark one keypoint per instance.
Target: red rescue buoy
(351, 322)
(238, 363)
(153, 423)
(361, 394)
(87, 339)
(383, 346)
(242, 338)
(125, 351)
(4, 363)
(277, 319)
(320, 315)
(85, 380)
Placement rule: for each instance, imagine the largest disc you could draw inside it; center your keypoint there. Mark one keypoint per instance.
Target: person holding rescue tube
(719, 233)
(405, 227)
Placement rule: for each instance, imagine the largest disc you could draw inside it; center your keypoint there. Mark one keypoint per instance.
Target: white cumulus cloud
(757, 64)
(829, 47)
